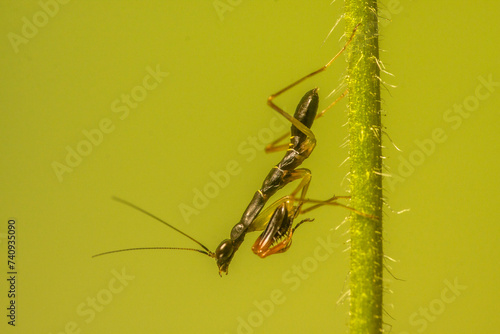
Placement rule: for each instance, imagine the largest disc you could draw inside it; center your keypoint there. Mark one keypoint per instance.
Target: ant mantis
(277, 219)
(276, 222)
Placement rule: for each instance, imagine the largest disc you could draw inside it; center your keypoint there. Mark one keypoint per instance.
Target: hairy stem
(366, 167)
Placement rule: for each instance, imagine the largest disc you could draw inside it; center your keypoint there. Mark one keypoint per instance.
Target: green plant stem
(366, 167)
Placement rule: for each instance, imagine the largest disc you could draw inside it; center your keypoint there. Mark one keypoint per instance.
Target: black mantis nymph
(277, 219)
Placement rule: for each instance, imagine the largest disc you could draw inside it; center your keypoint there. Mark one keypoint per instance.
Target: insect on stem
(277, 219)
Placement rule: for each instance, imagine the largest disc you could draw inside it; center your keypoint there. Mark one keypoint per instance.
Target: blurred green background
(77, 76)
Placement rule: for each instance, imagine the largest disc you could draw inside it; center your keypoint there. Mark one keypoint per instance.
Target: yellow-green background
(222, 68)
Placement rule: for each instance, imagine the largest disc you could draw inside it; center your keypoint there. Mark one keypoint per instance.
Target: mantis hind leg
(279, 145)
(275, 146)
